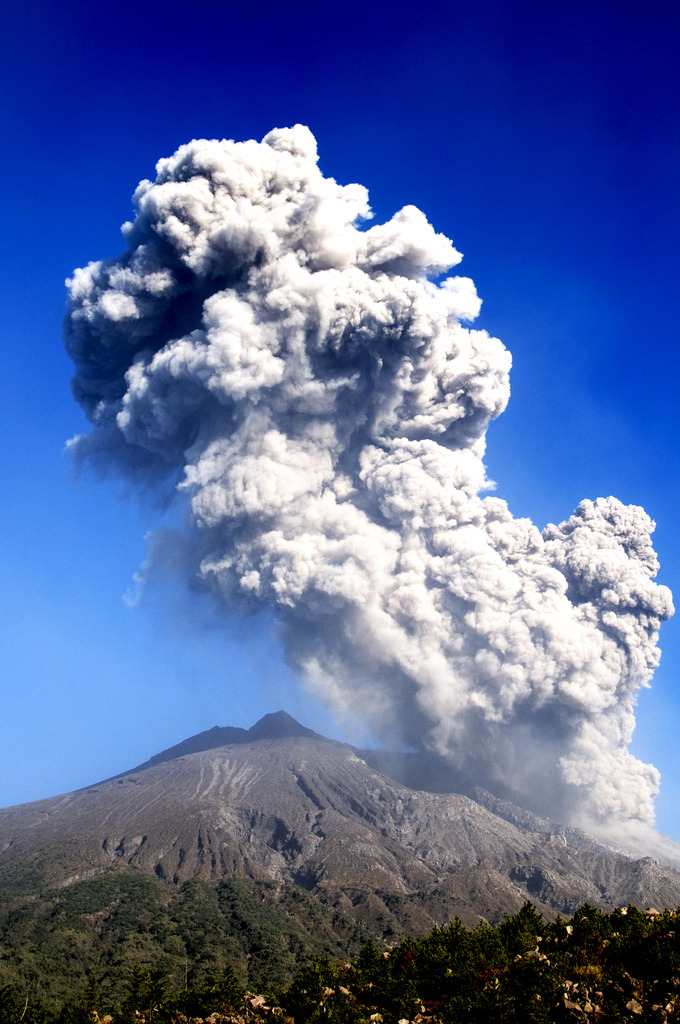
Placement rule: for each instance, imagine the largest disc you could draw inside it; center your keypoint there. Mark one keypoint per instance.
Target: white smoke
(316, 401)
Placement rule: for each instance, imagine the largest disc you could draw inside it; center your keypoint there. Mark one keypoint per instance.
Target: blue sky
(543, 139)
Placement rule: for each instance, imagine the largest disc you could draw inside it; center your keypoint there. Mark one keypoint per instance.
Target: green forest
(597, 967)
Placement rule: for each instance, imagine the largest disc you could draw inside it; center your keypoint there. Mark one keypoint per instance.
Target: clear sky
(543, 139)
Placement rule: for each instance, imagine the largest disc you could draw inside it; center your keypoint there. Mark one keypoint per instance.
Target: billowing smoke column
(316, 401)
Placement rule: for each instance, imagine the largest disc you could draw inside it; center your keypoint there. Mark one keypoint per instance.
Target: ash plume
(305, 384)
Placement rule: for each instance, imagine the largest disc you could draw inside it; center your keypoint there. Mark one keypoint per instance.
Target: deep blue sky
(542, 138)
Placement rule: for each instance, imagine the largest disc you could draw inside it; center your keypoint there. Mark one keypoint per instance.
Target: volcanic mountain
(279, 802)
(276, 820)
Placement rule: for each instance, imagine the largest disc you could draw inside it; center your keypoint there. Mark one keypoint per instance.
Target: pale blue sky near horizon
(542, 139)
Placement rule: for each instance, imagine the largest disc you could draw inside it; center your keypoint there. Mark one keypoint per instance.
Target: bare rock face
(280, 803)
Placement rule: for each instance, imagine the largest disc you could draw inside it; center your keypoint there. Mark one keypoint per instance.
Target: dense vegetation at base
(596, 967)
(100, 927)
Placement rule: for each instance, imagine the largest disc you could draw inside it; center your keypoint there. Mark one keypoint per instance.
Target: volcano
(278, 803)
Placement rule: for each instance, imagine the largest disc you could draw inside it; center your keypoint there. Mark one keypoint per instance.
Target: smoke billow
(309, 390)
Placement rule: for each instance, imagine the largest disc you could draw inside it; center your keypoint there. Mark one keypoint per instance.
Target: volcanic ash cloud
(317, 403)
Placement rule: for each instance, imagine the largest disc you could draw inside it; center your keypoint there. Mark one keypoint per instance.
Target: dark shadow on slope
(275, 726)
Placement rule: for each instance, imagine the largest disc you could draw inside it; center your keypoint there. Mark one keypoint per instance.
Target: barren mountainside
(280, 804)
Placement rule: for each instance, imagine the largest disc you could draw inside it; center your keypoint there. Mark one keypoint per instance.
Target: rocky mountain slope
(280, 804)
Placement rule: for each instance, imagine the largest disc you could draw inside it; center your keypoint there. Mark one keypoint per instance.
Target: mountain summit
(277, 725)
